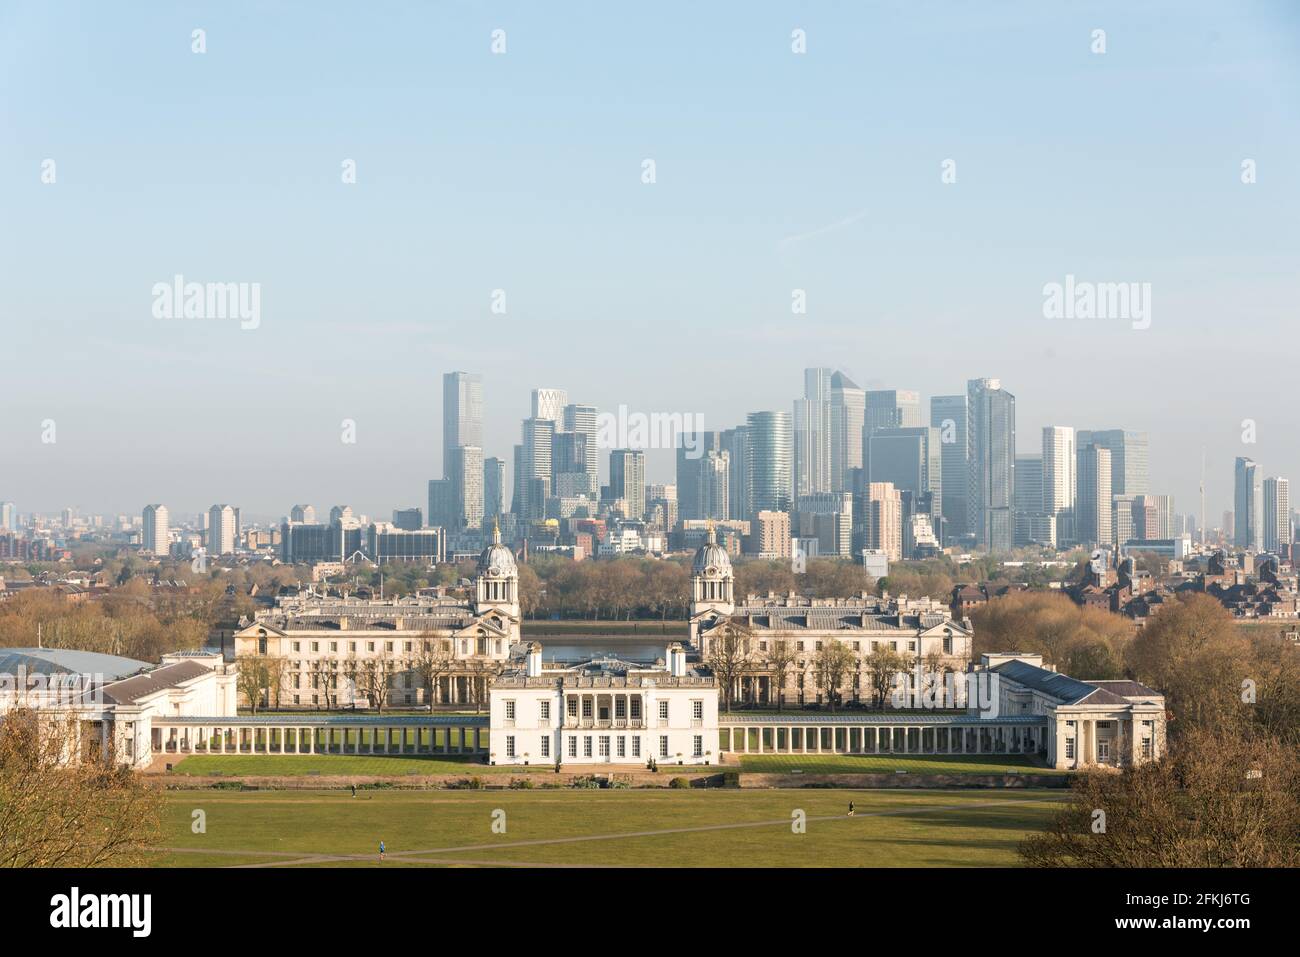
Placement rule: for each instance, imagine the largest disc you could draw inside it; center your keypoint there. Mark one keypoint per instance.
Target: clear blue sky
(522, 172)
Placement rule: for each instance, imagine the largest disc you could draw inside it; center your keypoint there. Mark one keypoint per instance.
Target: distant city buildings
(992, 424)
(1248, 504)
(223, 530)
(156, 532)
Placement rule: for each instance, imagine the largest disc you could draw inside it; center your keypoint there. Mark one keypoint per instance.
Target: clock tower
(496, 585)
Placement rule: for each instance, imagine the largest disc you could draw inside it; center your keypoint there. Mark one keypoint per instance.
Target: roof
(1061, 687)
(132, 690)
(1126, 688)
(57, 661)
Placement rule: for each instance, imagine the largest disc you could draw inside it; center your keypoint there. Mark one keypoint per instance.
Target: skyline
(775, 172)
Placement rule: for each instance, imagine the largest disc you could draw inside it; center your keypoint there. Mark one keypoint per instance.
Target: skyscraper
(627, 479)
(462, 412)
(157, 534)
(8, 516)
(848, 415)
(884, 519)
(303, 513)
(740, 493)
(1060, 479)
(1093, 508)
(948, 414)
(812, 434)
(549, 404)
(1029, 496)
(770, 453)
(1277, 515)
(693, 463)
(990, 507)
(888, 409)
(581, 419)
(910, 459)
(466, 476)
(1247, 505)
(535, 467)
(494, 487)
(223, 528)
(1128, 458)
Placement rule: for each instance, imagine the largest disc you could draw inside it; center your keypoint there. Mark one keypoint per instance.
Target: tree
(375, 678)
(781, 657)
(728, 657)
(56, 813)
(252, 681)
(433, 661)
(885, 664)
(832, 662)
(1217, 799)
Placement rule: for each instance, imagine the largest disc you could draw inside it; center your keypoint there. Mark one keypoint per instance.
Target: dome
(497, 560)
(711, 559)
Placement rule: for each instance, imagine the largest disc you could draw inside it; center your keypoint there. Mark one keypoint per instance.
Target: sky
(523, 171)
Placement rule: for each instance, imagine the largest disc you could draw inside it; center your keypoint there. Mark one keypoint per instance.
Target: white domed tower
(496, 586)
(712, 595)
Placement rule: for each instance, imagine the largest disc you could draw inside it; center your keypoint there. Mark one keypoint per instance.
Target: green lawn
(888, 764)
(731, 828)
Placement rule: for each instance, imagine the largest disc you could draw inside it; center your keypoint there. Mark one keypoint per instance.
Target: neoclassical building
(331, 652)
(922, 631)
(605, 711)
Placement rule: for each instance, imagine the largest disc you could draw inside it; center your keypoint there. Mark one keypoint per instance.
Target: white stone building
(605, 711)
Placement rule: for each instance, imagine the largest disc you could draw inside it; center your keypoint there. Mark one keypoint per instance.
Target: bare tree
(885, 664)
(252, 681)
(375, 678)
(831, 663)
(728, 656)
(432, 663)
(781, 656)
(63, 807)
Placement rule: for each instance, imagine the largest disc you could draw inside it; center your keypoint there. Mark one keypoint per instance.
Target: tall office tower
(442, 503)
(223, 528)
(494, 488)
(661, 506)
(1247, 503)
(1126, 517)
(714, 486)
(884, 519)
(1030, 473)
(992, 429)
(157, 534)
(1093, 507)
(848, 415)
(1128, 457)
(1060, 479)
(462, 412)
(341, 513)
(770, 534)
(582, 420)
(692, 454)
(828, 517)
(1153, 517)
(517, 485)
(888, 409)
(771, 451)
(627, 479)
(911, 459)
(466, 476)
(549, 404)
(303, 513)
(948, 414)
(8, 516)
(1278, 533)
(812, 434)
(740, 493)
(569, 473)
(535, 467)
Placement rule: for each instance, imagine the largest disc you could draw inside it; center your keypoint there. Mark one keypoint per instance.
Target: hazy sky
(523, 172)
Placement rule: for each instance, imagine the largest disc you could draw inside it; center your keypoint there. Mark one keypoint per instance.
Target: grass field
(728, 828)
(887, 764)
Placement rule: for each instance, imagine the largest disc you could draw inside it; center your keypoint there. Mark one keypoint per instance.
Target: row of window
(620, 711)
(482, 646)
(602, 743)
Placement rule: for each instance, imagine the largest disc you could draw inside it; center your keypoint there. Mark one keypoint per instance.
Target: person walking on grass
(381, 850)
(354, 790)
(850, 809)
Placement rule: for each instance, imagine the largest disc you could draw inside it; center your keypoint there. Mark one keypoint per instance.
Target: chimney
(534, 668)
(676, 660)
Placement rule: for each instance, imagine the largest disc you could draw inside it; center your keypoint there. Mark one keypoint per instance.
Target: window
(1069, 749)
(1103, 750)
(546, 745)
(295, 646)
(510, 711)
(370, 646)
(586, 708)
(622, 746)
(573, 707)
(315, 646)
(697, 710)
(334, 646)
(388, 646)
(544, 710)
(636, 709)
(573, 747)
(1146, 747)
(636, 747)
(620, 707)
(510, 746)
(697, 750)
(408, 646)
(586, 746)
(663, 746)
(663, 710)
(603, 745)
